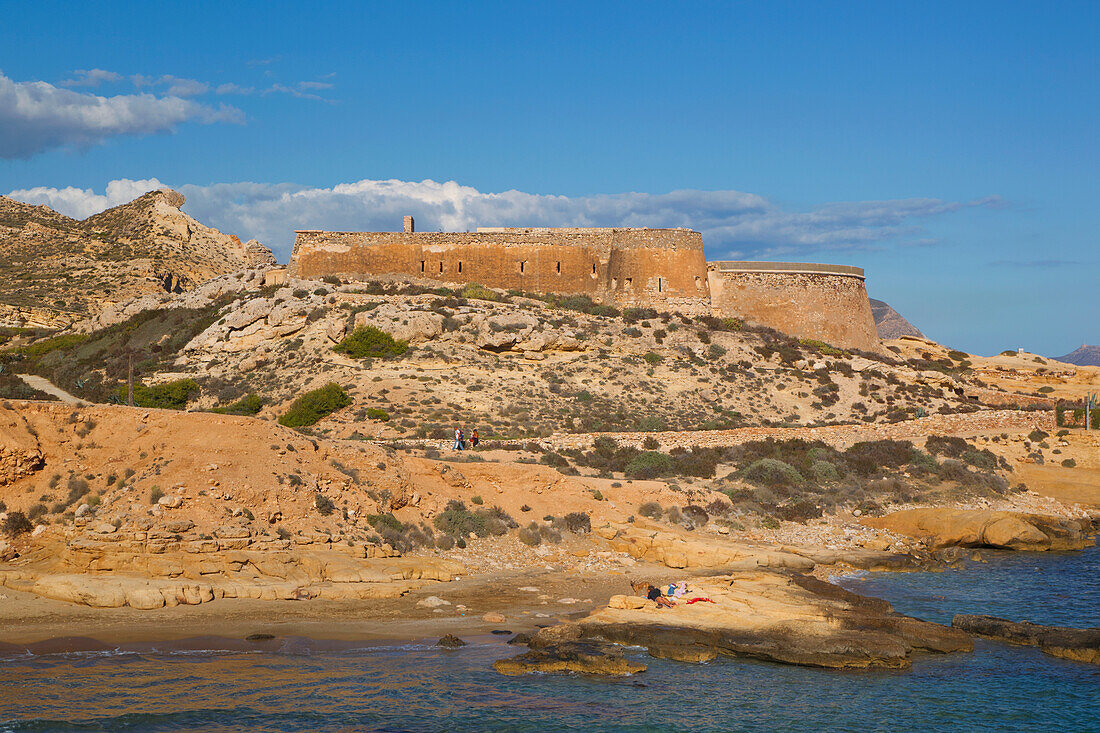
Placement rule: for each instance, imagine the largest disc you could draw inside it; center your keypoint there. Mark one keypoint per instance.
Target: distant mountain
(1086, 355)
(54, 270)
(890, 323)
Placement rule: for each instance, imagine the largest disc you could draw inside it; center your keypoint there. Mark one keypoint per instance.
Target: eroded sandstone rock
(945, 526)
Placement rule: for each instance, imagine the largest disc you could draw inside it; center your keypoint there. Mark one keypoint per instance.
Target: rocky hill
(890, 323)
(510, 364)
(1085, 355)
(54, 270)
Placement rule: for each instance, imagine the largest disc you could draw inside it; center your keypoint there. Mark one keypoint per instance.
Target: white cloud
(80, 203)
(91, 78)
(734, 223)
(231, 88)
(37, 116)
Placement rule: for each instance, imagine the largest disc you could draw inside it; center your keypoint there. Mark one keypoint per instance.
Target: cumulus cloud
(37, 116)
(734, 224)
(91, 78)
(80, 203)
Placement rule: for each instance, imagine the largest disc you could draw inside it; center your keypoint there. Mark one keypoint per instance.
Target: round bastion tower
(823, 302)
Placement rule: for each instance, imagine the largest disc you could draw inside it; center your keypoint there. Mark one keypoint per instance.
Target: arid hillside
(510, 365)
(54, 270)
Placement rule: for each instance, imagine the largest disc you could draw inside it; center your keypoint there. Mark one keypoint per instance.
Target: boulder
(450, 641)
(630, 602)
(404, 325)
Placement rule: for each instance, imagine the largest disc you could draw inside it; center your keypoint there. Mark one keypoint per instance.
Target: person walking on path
(458, 439)
(474, 439)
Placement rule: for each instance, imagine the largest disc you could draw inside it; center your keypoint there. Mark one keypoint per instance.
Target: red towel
(698, 600)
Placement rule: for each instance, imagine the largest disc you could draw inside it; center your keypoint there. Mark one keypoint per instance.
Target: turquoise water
(308, 686)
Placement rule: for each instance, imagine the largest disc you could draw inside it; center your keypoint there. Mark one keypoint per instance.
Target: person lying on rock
(652, 592)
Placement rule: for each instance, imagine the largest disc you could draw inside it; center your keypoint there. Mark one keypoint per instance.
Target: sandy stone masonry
(627, 267)
(824, 302)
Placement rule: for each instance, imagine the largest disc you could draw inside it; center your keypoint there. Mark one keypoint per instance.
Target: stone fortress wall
(626, 267)
(661, 268)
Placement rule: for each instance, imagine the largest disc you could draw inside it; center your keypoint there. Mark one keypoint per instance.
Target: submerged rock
(1081, 645)
(581, 657)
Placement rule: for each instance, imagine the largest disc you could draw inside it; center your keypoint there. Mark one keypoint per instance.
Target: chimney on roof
(410, 227)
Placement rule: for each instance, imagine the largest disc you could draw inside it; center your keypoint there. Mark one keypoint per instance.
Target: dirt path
(44, 385)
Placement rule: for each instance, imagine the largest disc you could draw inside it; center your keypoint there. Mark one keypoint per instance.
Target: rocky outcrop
(20, 453)
(1081, 645)
(944, 526)
(60, 270)
(651, 544)
(777, 616)
(111, 578)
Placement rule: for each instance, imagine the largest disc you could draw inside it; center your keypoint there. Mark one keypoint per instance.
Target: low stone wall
(840, 436)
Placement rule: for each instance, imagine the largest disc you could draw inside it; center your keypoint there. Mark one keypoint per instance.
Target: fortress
(626, 267)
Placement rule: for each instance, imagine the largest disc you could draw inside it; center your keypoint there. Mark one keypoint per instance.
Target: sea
(297, 684)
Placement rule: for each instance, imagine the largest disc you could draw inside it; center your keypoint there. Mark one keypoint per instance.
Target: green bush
(1069, 463)
(377, 413)
(577, 522)
(824, 472)
(41, 348)
(948, 446)
(16, 523)
(772, 472)
(649, 464)
(314, 405)
(479, 292)
(458, 521)
(821, 347)
(651, 509)
(170, 395)
(248, 405)
(870, 457)
(324, 504)
(368, 341)
(653, 358)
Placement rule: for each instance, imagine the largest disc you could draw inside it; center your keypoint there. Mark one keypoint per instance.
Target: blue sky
(951, 149)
